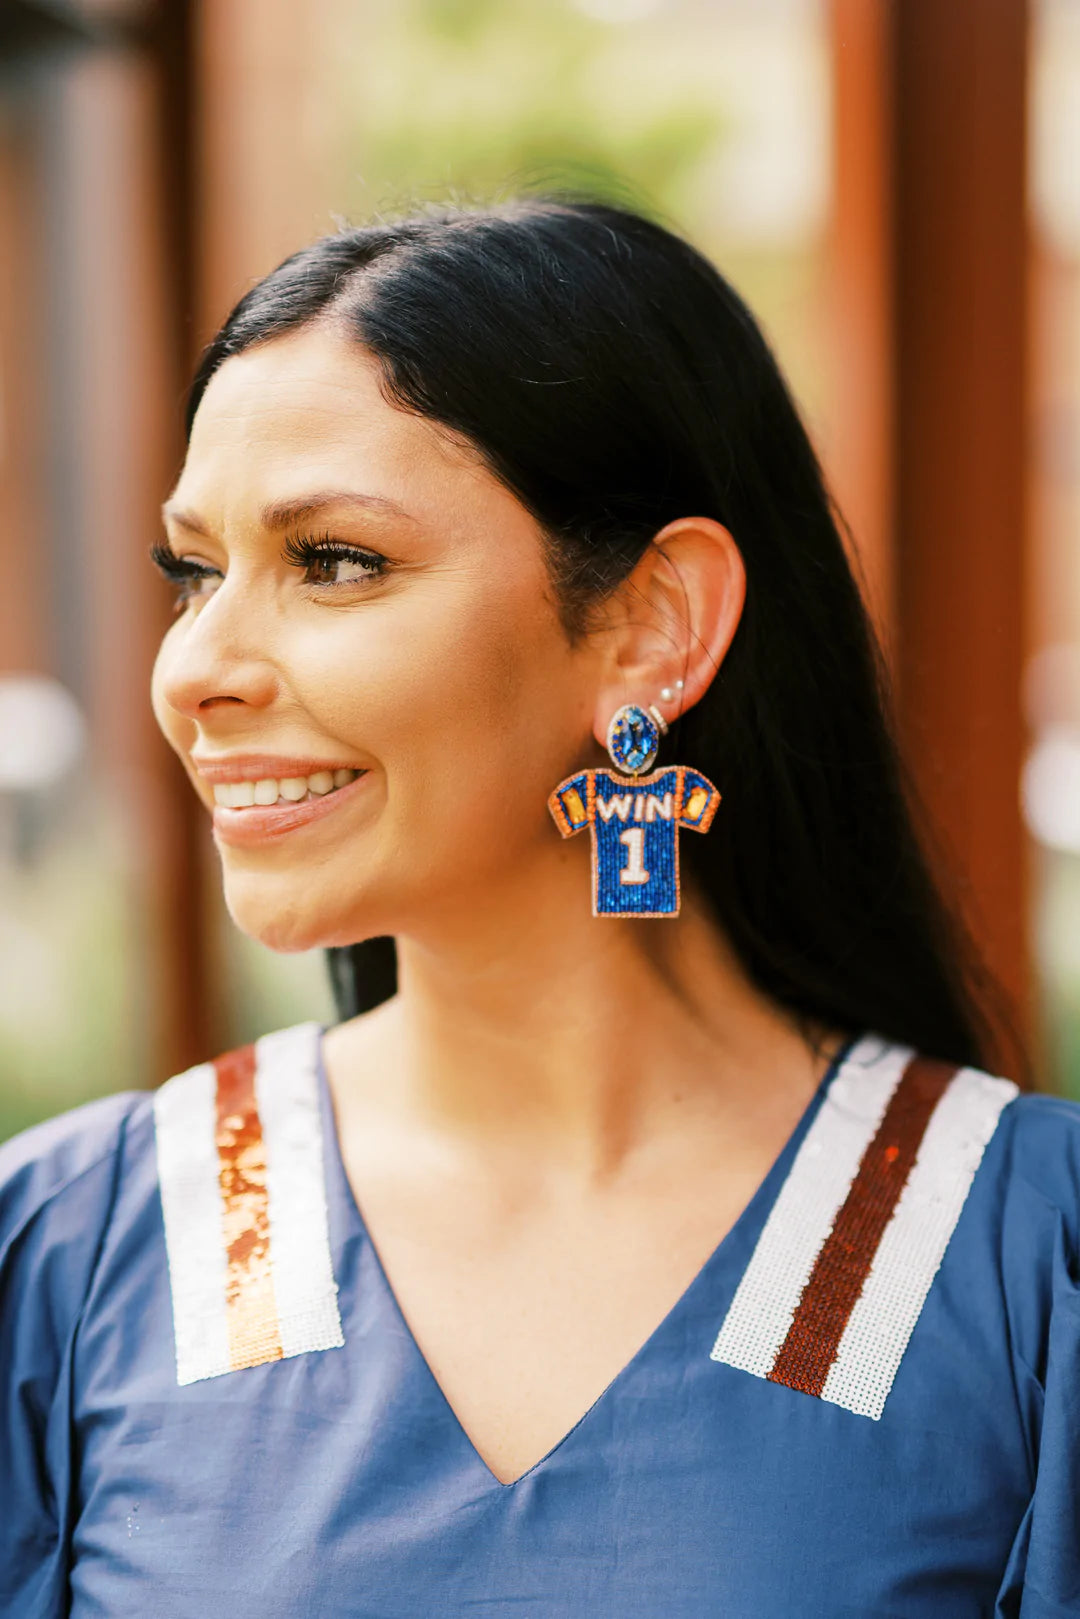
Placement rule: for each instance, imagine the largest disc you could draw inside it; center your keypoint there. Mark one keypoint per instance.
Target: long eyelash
(178, 569)
(304, 549)
(183, 573)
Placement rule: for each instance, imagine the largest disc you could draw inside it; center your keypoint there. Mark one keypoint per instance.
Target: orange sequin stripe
(250, 1306)
(844, 1262)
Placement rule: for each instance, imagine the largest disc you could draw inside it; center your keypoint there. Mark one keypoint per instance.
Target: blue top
(786, 1442)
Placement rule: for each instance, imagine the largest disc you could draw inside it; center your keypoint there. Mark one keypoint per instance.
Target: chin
(283, 935)
(282, 928)
(288, 925)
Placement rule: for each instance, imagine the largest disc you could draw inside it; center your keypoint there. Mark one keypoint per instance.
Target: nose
(213, 658)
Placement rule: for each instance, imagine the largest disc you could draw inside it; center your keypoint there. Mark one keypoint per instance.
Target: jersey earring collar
(635, 833)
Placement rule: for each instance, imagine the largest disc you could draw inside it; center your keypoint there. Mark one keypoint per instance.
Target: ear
(672, 619)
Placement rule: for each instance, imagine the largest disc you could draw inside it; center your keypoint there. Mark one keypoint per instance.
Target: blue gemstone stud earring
(635, 847)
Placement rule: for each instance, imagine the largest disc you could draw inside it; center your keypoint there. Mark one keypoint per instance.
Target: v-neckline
(754, 1213)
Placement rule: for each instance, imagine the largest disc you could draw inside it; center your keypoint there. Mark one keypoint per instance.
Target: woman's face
(418, 643)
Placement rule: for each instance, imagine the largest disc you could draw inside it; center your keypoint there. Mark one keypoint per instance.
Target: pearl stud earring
(667, 694)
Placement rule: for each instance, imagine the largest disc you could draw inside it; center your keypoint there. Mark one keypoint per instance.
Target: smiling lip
(263, 823)
(258, 766)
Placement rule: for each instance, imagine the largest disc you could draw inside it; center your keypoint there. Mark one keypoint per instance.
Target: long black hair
(614, 381)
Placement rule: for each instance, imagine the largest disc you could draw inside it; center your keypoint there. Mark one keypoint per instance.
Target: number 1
(634, 870)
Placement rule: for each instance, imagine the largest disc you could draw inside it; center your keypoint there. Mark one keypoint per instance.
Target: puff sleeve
(1041, 1276)
(57, 1186)
(1051, 1587)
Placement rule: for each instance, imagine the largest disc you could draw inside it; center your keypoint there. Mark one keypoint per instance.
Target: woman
(634, 1246)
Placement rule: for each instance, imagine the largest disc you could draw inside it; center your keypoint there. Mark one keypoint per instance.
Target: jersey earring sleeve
(698, 801)
(572, 803)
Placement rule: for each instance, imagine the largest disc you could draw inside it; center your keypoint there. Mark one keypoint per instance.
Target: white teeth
(293, 789)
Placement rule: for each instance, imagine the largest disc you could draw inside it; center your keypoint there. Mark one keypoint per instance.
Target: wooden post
(25, 628)
(266, 141)
(928, 455)
(960, 262)
(126, 230)
(861, 448)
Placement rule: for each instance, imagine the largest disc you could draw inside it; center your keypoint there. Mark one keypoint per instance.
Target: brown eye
(331, 562)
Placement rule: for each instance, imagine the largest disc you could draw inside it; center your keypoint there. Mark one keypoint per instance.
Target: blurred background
(894, 186)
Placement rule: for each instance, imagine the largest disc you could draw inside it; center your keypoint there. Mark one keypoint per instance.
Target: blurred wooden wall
(24, 629)
(931, 461)
(96, 335)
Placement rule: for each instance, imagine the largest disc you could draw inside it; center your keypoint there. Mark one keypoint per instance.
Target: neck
(534, 1026)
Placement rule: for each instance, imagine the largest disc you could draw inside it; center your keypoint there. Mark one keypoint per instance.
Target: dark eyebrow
(283, 513)
(176, 514)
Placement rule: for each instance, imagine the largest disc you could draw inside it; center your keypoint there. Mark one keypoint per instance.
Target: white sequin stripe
(805, 1210)
(287, 1096)
(914, 1241)
(185, 1124)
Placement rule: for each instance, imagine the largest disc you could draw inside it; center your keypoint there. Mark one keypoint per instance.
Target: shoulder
(59, 1189)
(913, 1163)
(1033, 1163)
(240, 1150)
(965, 1134)
(71, 1160)
(1041, 1129)
(916, 1183)
(252, 1080)
(965, 1161)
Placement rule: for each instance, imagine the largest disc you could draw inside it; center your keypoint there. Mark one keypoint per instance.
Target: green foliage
(478, 99)
(1056, 888)
(72, 1005)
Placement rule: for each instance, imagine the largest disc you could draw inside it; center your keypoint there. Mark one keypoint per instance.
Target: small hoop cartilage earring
(661, 722)
(635, 834)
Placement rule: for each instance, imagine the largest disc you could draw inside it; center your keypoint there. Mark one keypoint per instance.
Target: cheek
(462, 703)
